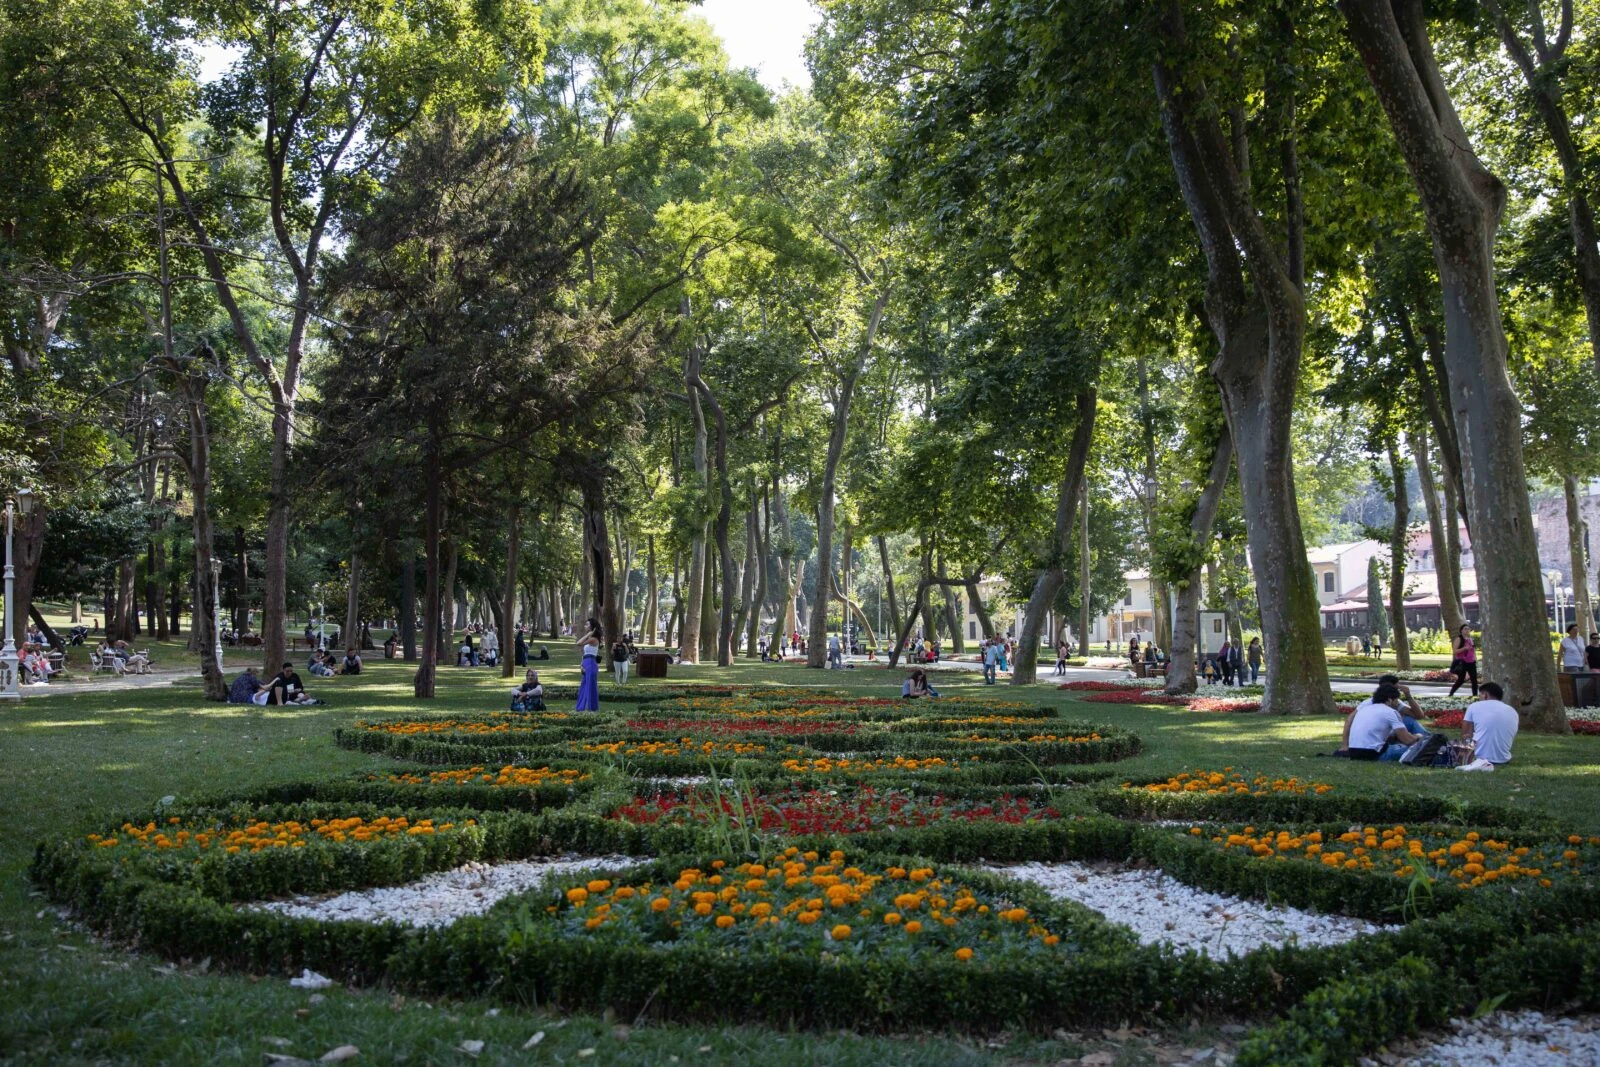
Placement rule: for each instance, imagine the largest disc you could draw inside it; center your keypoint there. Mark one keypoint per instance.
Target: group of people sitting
(33, 660)
(325, 664)
(484, 653)
(917, 685)
(121, 659)
(284, 687)
(1385, 728)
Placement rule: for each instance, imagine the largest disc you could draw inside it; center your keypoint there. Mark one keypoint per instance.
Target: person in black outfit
(522, 648)
(286, 687)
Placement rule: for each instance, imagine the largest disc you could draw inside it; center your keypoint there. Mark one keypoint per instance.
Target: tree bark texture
(1462, 202)
(1583, 610)
(1446, 572)
(1261, 331)
(508, 613)
(1048, 582)
(1186, 620)
(1399, 539)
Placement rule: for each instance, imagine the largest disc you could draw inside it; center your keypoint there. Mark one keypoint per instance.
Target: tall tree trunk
(445, 620)
(1399, 543)
(1446, 573)
(408, 602)
(606, 603)
(951, 618)
(124, 604)
(1085, 573)
(724, 631)
(1186, 621)
(432, 583)
(275, 593)
(241, 588)
(1160, 599)
(1260, 330)
(888, 584)
(175, 602)
(648, 624)
(556, 621)
(708, 605)
(1050, 579)
(975, 597)
(675, 616)
(193, 380)
(1463, 202)
(1583, 611)
(758, 595)
(749, 610)
(919, 607)
(508, 612)
(352, 603)
(843, 394)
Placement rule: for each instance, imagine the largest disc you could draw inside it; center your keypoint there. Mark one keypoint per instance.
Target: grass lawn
(79, 757)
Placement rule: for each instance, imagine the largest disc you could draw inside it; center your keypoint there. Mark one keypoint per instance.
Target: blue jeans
(1255, 673)
(1394, 750)
(988, 673)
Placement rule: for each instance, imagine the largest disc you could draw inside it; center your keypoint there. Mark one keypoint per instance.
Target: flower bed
(1226, 781)
(852, 767)
(805, 904)
(1110, 685)
(1470, 859)
(506, 777)
(743, 725)
(1223, 704)
(1135, 696)
(804, 812)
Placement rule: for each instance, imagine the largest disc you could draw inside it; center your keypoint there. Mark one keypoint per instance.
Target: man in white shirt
(1572, 651)
(1491, 726)
(835, 653)
(1376, 731)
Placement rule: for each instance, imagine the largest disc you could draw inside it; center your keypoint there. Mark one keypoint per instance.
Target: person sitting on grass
(1375, 730)
(285, 688)
(352, 662)
(917, 686)
(1490, 727)
(529, 696)
(319, 665)
(391, 647)
(244, 687)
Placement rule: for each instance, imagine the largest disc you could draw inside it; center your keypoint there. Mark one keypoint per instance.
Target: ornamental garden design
(805, 859)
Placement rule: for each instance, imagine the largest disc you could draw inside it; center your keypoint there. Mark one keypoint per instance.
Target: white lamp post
(1555, 598)
(216, 609)
(10, 676)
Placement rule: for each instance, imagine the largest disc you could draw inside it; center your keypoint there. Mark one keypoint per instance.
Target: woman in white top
(589, 687)
(1572, 652)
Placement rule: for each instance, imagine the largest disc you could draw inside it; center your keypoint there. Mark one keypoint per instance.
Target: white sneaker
(1477, 765)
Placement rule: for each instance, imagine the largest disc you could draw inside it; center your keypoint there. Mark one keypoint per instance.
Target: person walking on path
(589, 649)
(991, 660)
(1465, 663)
(1254, 656)
(1225, 661)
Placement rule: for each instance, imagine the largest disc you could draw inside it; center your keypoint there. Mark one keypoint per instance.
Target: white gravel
(1163, 911)
(1523, 1039)
(442, 898)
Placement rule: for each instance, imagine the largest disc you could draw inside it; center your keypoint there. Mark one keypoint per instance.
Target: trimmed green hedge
(1334, 806)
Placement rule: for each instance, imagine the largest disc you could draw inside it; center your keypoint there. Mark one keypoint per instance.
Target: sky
(769, 35)
(766, 34)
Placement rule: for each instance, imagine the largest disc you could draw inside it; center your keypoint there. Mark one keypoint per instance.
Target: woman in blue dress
(589, 688)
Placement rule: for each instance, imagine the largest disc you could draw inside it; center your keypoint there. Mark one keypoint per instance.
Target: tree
(459, 274)
(1463, 202)
(324, 95)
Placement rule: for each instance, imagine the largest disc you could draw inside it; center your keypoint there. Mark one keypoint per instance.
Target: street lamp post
(10, 676)
(216, 610)
(1555, 598)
